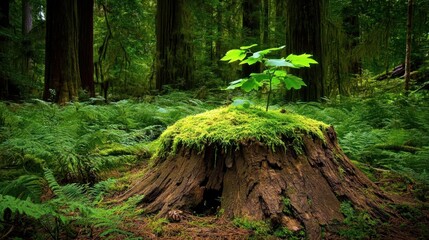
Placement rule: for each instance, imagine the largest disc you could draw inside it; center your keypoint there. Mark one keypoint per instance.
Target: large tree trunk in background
(27, 25)
(174, 64)
(4, 23)
(408, 45)
(352, 30)
(252, 31)
(62, 77)
(304, 34)
(86, 42)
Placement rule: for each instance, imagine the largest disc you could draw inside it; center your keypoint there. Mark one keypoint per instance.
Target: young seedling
(274, 74)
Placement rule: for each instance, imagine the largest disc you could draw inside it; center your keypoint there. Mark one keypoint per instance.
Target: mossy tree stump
(260, 165)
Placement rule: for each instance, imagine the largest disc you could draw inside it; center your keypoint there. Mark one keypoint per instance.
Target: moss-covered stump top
(227, 127)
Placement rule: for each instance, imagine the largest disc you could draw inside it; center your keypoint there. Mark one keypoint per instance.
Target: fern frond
(25, 207)
(26, 186)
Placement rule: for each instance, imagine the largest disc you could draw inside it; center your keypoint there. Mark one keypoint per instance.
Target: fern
(24, 187)
(23, 207)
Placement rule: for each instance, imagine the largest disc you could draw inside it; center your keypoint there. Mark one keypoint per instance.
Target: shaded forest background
(141, 46)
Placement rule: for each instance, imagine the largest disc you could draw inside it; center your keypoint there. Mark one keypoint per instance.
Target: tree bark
(351, 29)
(252, 31)
(4, 23)
(62, 77)
(254, 181)
(86, 42)
(174, 64)
(27, 25)
(408, 45)
(304, 34)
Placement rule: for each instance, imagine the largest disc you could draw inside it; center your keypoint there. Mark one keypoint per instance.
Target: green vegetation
(80, 140)
(259, 228)
(287, 207)
(285, 233)
(388, 132)
(119, 136)
(227, 127)
(70, 207)
(273, 76)
(359, 224)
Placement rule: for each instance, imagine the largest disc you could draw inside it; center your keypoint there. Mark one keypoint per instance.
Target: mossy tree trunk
(291, 188)
(62, 76)
(174, 55)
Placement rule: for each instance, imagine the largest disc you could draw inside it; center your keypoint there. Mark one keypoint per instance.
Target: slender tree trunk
(62, 77)
(174, 65)
(408, 45)
(304, 35)
(351, 28)
(266, 21)
(4, 23)
(27, 25)
(252, 30)
(86, 40)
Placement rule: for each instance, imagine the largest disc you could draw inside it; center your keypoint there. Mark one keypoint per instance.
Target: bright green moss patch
(227, 127)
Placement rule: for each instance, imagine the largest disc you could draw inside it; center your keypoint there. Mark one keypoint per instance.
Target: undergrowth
(388, 132)
(71, 210)
(80, 140)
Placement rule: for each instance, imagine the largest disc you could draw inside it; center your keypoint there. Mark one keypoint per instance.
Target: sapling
(274, 74)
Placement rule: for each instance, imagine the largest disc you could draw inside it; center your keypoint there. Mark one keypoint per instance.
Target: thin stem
(269, 91)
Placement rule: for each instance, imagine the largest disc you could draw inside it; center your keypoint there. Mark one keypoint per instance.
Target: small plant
(359, 224)
(157, 226)
(275, 73)
(288, 234)
(260, 228)
(287, 207)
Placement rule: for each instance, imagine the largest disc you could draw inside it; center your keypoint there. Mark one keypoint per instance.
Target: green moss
(227, 127)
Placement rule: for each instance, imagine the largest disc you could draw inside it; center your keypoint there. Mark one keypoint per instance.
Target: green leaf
(234, 55)
(236, 84)
(250, 60)
(260, 77)
(278, 63)
(275, 82)
(250, 84)
(303, 60)
(280, 73)
(248, 47)
(241, 102)
(294, 82)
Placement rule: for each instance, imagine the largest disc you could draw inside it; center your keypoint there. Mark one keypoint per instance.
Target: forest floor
(412, 224)
(387, 137)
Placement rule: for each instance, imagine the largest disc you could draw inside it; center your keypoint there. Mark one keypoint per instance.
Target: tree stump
(259, 165)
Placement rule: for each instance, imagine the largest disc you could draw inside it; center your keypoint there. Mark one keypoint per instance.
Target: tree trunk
(62, 77)
(27, 25)
(304, 21)
(4, 23)
(252, 31)
(174, 65)
(408, 45)
(352, 31)
(86, 42)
